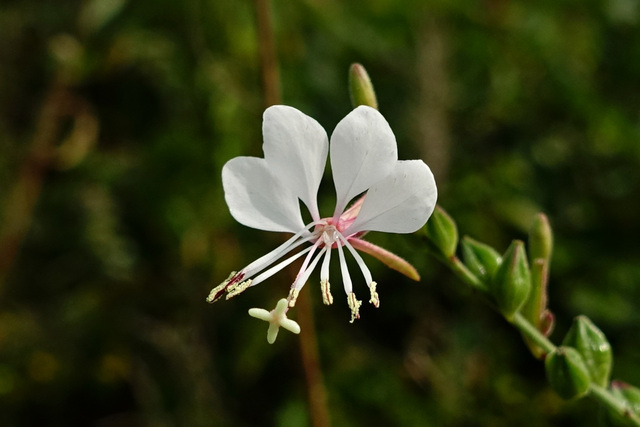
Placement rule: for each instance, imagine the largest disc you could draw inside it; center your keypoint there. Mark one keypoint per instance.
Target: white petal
(296, 147)
(363, 150)
(257, 198)
(401, 203)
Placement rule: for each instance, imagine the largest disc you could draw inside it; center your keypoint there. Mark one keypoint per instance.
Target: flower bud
(442, 230)
(360, 87)
(540, 239)
(535, 308)
(594, 348)
(480, 258)
(512, 280)
(540, 248)
(567, 373)
(631, 396)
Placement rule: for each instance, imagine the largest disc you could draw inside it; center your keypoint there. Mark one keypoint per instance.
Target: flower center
(329, 233)
(331, 236)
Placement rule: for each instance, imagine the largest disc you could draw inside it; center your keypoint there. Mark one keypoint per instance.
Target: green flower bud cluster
(506, 279)
(515, 283)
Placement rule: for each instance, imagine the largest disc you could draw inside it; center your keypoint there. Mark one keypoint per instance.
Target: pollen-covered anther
(293, 297)
(327, 298)
(375, 300)
(354, 305)
(217, 292)
(237, 289)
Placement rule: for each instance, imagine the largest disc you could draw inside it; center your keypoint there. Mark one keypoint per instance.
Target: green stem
(614, 403)
(465, 274)
(520, 322)
(530, 331)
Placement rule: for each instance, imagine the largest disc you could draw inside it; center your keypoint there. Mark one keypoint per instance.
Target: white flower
(399, 196)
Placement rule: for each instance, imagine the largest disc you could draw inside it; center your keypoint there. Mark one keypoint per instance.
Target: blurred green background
(116, 118)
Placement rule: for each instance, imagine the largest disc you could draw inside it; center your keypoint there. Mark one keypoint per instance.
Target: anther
(293, 296)
(375, 300)
(354, 305)
(217, 292)
(237, 289)
(327, 298)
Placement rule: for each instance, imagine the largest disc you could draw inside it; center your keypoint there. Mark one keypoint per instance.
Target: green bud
(360, 87)
(535, 308)
(512, 280)
(442, 230)
(594, 348)
(540, 239)
(631, 396)
(480, 258)
(567, 373)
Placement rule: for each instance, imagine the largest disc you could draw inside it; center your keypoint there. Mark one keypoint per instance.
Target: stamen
(375, 300)
(346, 278)
(276, 268)
(363, 267)
(327, 298)
(237, 289)
(303, 277)
(305, 263)
(354, 305)
(264, 261)
(217, 292)
(324, 270)
(267, 259)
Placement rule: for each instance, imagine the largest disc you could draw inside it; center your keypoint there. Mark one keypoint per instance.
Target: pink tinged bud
(547, 323)
(360, 87)
(535, 308)
(389, 259)
(540, 239)
(512, 280)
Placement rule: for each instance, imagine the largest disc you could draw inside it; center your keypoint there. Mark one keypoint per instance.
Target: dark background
(116, 118)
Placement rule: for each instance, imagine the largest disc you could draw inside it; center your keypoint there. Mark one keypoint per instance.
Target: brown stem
(267, 51)
(23, 197)
(44, 153)
(316, 390)
(432, 109)
(308, 340)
